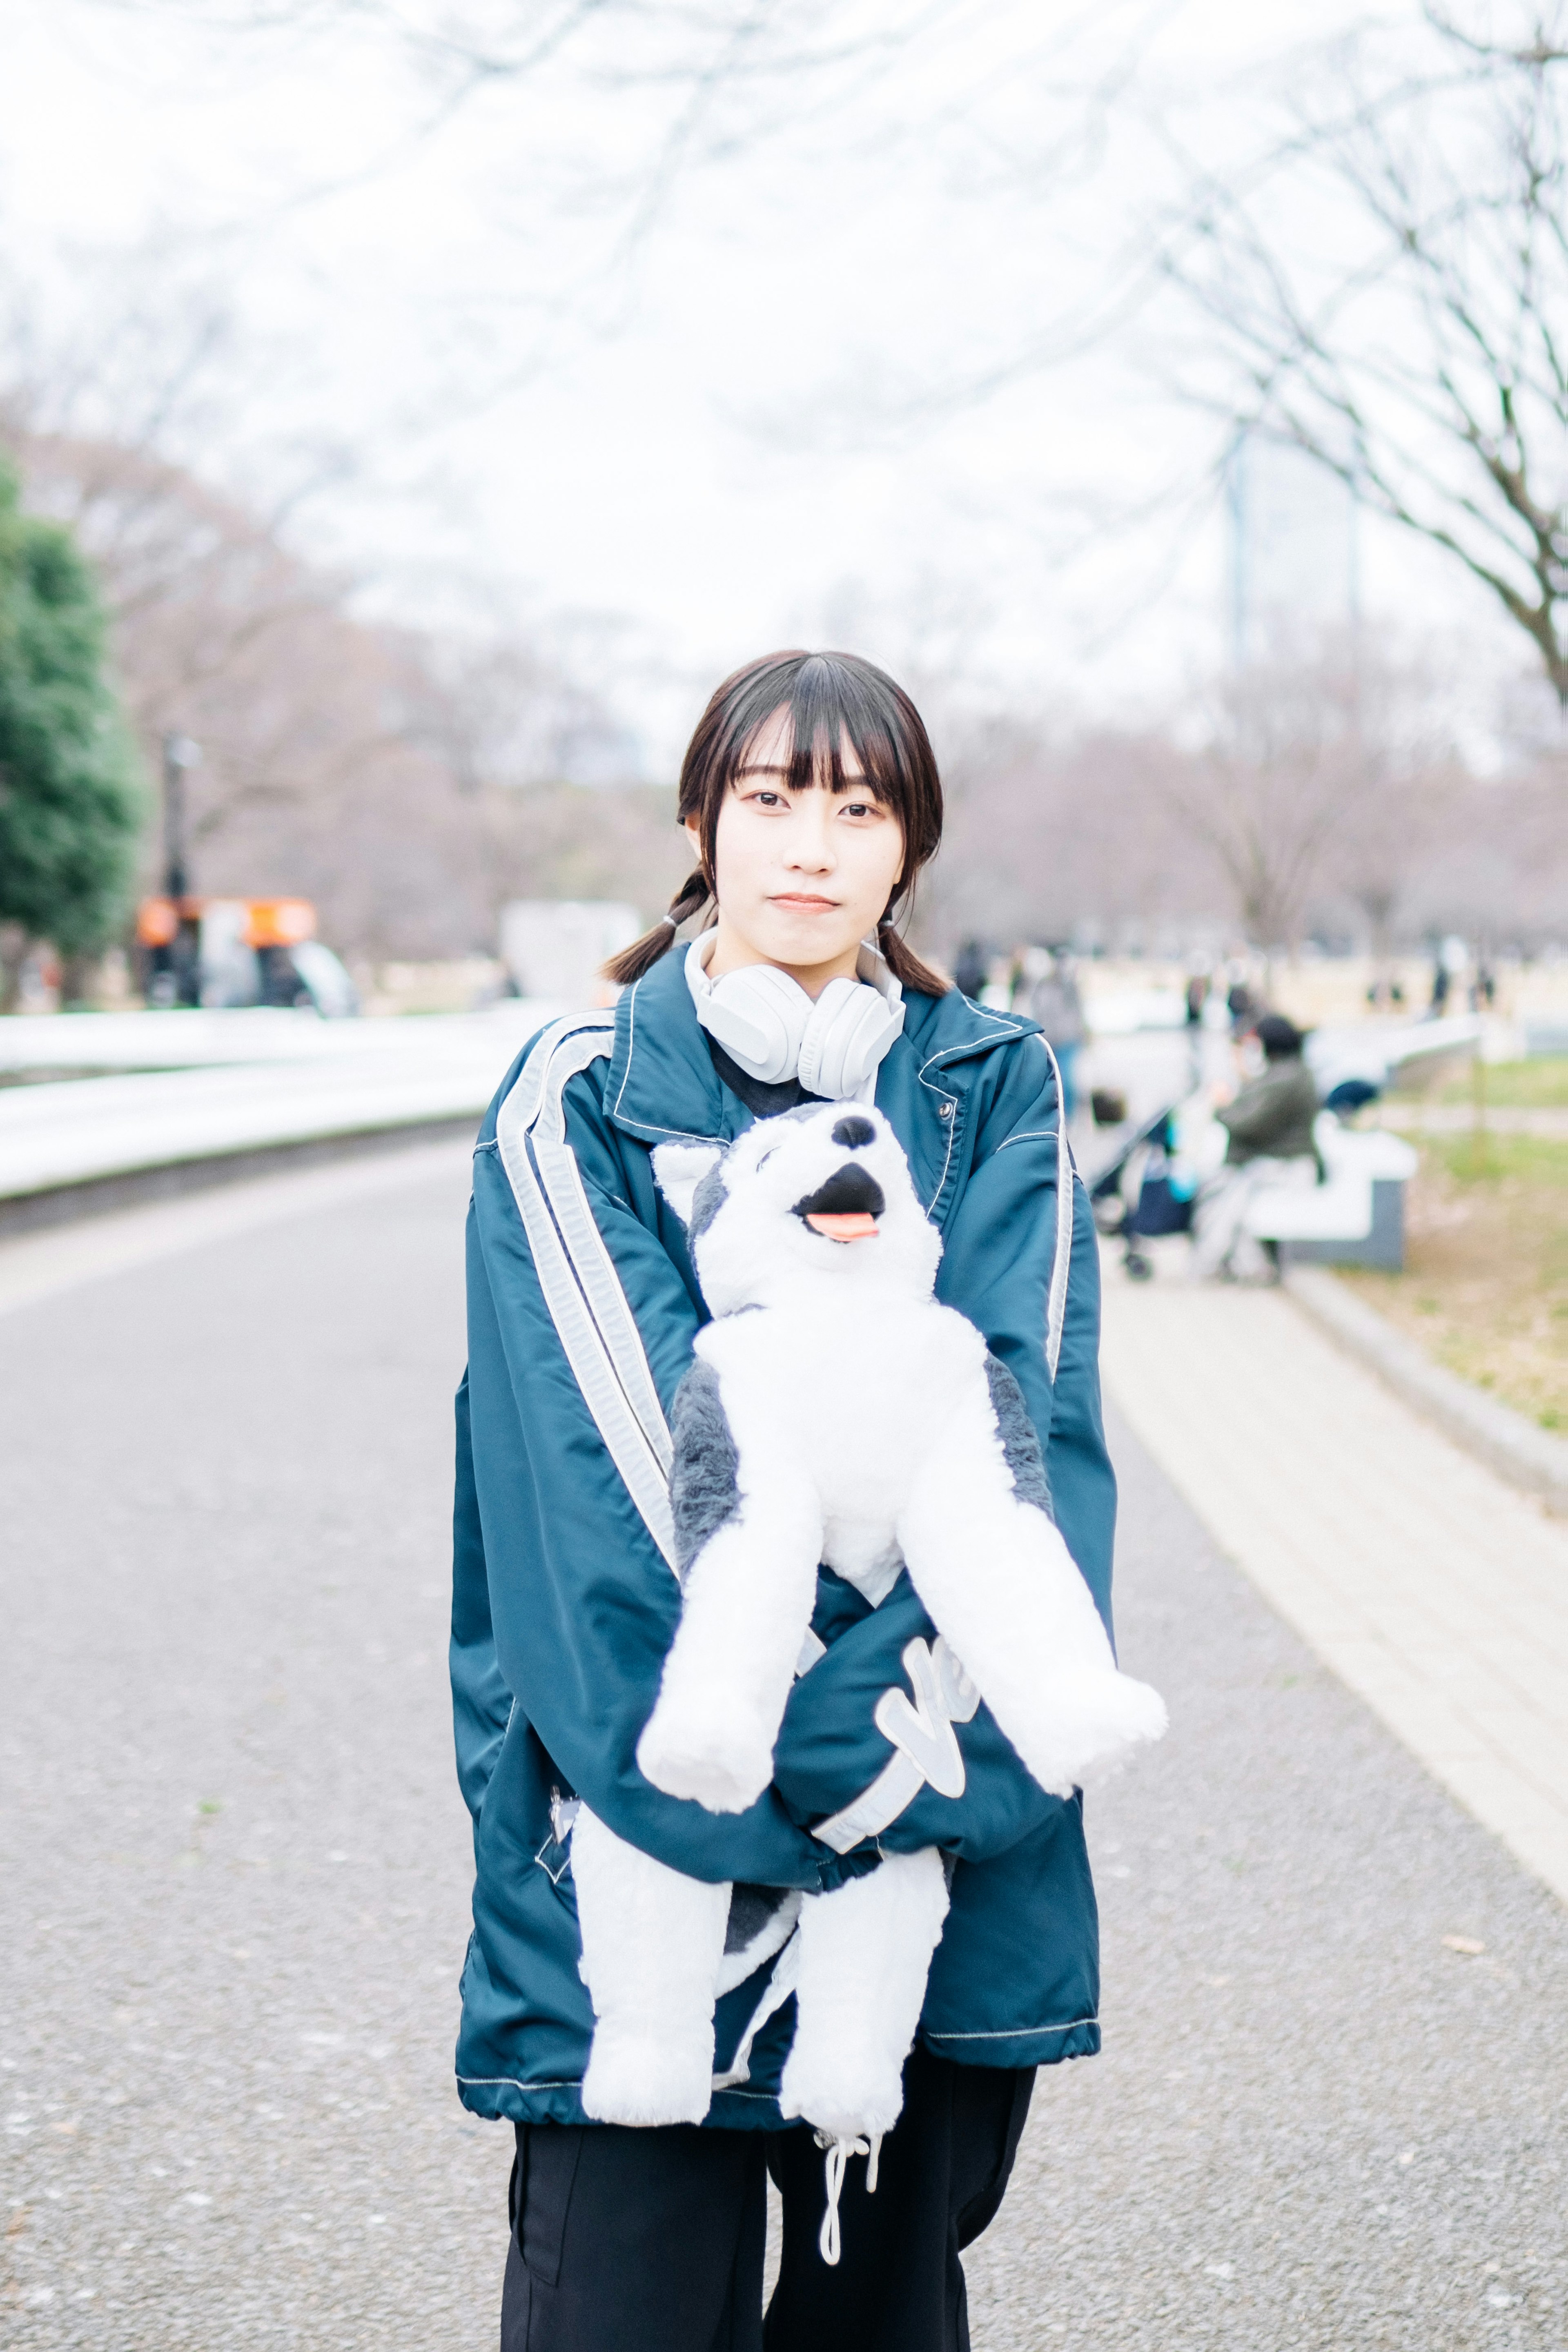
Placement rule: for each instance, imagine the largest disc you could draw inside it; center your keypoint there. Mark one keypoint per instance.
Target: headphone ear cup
(850, 1029)
(759, 1015)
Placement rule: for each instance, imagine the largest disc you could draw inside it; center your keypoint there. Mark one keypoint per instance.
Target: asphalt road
(235, 1873)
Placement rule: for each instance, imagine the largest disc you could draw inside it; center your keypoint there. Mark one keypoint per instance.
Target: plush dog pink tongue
(846, 1207)
(857, 1225)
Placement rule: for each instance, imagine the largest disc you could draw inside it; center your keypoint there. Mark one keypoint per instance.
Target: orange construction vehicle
(238, 951)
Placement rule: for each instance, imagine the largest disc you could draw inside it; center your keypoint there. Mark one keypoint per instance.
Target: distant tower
(1292, 546)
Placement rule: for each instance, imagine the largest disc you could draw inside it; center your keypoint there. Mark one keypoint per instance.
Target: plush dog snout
(765, 1218)
(848, 1192)
(845, 1209)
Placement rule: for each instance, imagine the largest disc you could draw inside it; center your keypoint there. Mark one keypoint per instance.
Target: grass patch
(1540, 1084)
(1485, 1290)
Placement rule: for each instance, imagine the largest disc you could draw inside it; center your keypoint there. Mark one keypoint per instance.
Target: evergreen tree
(70, 787)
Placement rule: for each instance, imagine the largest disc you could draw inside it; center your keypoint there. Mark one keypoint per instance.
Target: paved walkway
(1434, 1590)
(236, 1874)
(235, 1864)
(1316, 2126)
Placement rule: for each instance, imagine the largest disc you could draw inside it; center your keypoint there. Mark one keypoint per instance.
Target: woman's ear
(693, 833)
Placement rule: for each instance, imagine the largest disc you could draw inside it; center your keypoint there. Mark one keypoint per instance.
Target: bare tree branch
(1543, 48)
(1423, 361)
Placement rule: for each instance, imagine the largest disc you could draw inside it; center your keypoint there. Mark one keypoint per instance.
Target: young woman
(812, 801)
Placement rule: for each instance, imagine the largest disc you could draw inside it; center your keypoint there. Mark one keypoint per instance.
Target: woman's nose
(811, 844)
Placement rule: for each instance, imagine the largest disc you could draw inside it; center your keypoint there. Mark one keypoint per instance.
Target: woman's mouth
(803, 902)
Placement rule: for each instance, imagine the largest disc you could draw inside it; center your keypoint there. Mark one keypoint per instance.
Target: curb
(58, 1204)
(1514, 1448)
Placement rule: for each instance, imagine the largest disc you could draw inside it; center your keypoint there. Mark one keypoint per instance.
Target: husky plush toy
(834, 1412)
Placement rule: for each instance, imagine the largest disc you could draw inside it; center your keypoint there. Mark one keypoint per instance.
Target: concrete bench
(1355, 1216)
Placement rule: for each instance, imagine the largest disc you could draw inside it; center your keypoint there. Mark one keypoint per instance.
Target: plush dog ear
(679, 1168)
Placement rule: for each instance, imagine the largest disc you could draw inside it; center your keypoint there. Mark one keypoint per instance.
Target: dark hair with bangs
(831, 699)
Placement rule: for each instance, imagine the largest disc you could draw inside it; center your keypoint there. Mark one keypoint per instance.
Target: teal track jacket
(581, 1309)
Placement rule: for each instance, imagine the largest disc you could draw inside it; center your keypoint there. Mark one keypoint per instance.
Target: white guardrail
(188, 1086)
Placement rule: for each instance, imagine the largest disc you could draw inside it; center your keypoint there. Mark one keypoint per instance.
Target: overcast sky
(740, 401)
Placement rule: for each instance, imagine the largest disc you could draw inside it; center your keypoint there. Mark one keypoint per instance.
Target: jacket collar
(662, 1086)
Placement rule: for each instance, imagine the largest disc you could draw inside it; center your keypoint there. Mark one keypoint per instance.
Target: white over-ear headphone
(774, 1030)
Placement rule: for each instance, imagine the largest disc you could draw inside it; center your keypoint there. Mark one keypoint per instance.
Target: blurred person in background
(1441, 983)
(973, 969)
(1048, 992)
(1197, 996)
(1195, 1001)
(1269, 1124)
(1241, 1004)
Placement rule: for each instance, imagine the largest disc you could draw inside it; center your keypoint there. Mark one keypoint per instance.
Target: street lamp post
(180, 756)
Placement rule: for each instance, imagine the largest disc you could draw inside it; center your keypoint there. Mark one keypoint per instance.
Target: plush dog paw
(723, 1767)
(846, 2095)
(647, 2078)
(1098, 1727)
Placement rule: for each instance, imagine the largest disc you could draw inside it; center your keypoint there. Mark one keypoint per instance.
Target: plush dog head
(821, 1195)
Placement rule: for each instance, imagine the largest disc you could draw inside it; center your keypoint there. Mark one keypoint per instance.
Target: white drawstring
(836, 2163)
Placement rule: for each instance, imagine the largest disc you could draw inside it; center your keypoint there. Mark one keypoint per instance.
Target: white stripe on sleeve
(577, 1277)
(1061, 1262)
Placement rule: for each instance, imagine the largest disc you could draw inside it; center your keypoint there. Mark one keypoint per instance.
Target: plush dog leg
(865, 1952)
(1004, 1589)
(652, 1943)
(749, 1598)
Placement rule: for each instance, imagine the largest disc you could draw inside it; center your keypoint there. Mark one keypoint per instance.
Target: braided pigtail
(902, 960)
(643, 954)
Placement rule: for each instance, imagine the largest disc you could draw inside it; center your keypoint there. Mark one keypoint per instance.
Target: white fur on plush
(711, 1735)
(679, 1169)
(865, 1952)
(865, 1436)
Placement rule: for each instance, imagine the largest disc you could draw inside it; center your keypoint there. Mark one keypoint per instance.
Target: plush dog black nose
(854, 1132)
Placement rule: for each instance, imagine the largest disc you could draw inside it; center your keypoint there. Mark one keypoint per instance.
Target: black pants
(653, 2241)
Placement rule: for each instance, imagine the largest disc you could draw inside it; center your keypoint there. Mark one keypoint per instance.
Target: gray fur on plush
(835, 1412)
(1020, 1445)
(703, 1492)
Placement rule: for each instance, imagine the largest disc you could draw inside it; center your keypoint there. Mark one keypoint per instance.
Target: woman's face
(802, 877)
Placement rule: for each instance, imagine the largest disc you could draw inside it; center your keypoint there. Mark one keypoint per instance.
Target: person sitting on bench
(1269, 1126)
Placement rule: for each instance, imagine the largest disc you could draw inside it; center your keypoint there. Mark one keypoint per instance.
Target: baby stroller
(1139, 1198)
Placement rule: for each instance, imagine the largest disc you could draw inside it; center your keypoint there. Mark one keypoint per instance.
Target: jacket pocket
(550, 2173)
